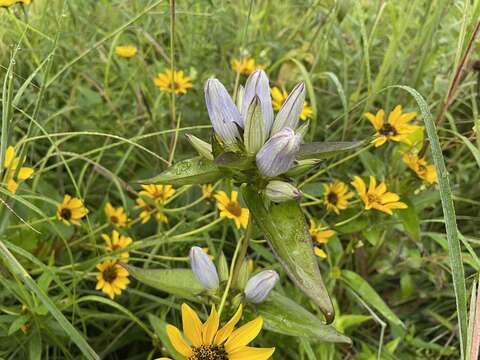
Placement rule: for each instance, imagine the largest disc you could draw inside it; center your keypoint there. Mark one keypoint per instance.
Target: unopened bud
(222, 267)
(259, 286)
(280, 191)
(203, 268)
(242, 277)
(202, 147)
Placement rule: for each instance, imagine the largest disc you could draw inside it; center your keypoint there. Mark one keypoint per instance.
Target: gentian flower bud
(289, 114)
(257, 85)
(280, 191)
(260, 285)
(203, 148)
(278, 154)
(222, 111)
(203, 268)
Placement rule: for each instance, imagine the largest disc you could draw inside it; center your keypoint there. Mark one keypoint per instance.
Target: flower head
(260, 285)
(377, 197)
(175, 81)
(116, 216)
(230, 208)
(203, 268)
(336, 196)
(205, 341)
(126, 51)
(245, 66)
(112, 279)
(149, 210)
(319, 237)
(278, 153)
(420, 166)
(158, 193)
(71, 210)
(397, 128)
(278, 99)
(116, 242)
(11, 164)
(207, 190)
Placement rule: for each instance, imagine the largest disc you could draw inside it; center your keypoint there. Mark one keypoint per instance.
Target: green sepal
(197, 170)
(284, 316)
(178, 282)
(287, 234)
(234, 161)
(302, 167)
(322, 150)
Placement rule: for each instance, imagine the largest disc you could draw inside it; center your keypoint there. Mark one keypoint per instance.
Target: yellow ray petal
(9, 156)
(178, 341)
(192, 326)
(225, 332)
(210, 327)
(244, 335)
(251, 353)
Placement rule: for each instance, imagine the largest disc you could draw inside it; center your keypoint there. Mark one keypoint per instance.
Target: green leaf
(178, 282)
(410, 220)
(187, 172)
(284, 316)
(322, 150)
(35, 346)
(160, 328)
(360, 286)
(234, 161)
(287, 233)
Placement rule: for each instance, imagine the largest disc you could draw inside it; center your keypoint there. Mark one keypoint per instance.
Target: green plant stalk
(243, 250)
(173, 107)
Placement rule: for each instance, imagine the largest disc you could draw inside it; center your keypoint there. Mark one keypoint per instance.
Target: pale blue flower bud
(257, 85)
(203, 268)
(222, 111)
(259, 286)
(289, 114)
(280, 191)
(278, 154)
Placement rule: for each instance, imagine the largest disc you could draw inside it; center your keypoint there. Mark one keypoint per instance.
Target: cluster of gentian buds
(255, 290)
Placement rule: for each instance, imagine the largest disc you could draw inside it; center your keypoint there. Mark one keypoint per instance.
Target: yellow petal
(178, 342)
(210, 327)
(251, 353)
(225, 332)
(192, 326)
(359, 185)
(9, 156)
(24, 173)
(244, 335)
(319, 252)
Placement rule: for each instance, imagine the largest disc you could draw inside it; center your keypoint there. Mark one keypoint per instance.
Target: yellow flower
(336, 196)
(158, 193)
(207, 190)
(11, 165)
(116, 216)
(7, 3)
(397, 128)
(245, 66)
(71, 210)
(117, 241)
(319, 237)
(230, 208)
(112, 279)
(207, 342)
(126, 51)
(173, 82)
(421, 167)
(279, 97)
(377, 197)
(147, 212)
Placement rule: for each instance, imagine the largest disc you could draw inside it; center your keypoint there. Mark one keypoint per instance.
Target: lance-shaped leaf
(254, 135)
(322, 150)
(287, 233)
(192, 171)
(178, 282)
(284, 316)
(234, 161)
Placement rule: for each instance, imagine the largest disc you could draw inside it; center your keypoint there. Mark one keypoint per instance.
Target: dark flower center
(209, 352)
(66, 214)
(114, 219)
(388, 130)
(373, 198)
(234, 208)
(332, 198)
(109, 274)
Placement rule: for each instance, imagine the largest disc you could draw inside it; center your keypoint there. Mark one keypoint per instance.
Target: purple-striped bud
(203, 268)
(222, 111)
(257, 85)
(259, 286)
(289, 114)
(280, 191)
(278, 154)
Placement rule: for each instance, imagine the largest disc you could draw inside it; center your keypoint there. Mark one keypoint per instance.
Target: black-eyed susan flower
(230, 208)
(149, 210)
(11, 164)
(245, 66)
(116, 242)
(112, 278)
(396, 128)
(205, 341)
(71, 210)
(279, 97)
(116, 216)
(420, 166)
(175, 81)
(207, 191)
(158, 193)
(377, 197)
(319, 237)
(126, 51)
(336, 196)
